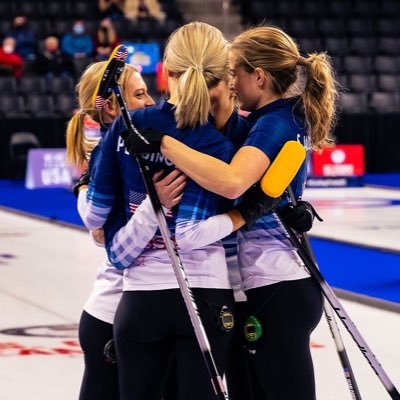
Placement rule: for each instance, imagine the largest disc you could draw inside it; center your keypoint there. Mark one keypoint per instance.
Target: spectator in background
(26, 43)
(10, 61)
(142, 9)
(161, 78)
(111, 8)
(105, 40)
(78, 43)
(51, 61)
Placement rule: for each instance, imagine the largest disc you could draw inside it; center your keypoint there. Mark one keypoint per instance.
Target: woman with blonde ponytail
(152, 328)
(80, 147)
(289, 97)
(100, 379)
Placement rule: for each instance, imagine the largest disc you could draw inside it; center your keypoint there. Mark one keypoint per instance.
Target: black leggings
(237, 375)
(152, 331)
(100, 379)
(280, 360)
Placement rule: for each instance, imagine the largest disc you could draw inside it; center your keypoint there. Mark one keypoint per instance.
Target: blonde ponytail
(76, 152)
(197, 55)
(319, 99)
(79, 147)
(193, 100)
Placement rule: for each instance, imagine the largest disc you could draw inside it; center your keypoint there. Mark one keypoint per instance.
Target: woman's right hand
(98, 237)
(170, 188)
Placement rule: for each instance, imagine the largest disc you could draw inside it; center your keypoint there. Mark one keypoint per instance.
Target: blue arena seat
(388, 83)
(387, 64)
(357, 64)
(40, 105)
(12, 106)
(354, 103)
(362, 82)
(384, 102)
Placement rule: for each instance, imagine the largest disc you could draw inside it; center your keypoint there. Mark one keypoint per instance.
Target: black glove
(299, 217)
(254, 204)
(82, 181)
(150, 141)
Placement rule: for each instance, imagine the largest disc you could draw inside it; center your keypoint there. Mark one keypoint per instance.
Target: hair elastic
(302, 61)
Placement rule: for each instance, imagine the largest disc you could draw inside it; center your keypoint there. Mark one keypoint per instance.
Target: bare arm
(228, 180)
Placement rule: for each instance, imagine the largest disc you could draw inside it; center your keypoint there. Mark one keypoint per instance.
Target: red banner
(341, 160)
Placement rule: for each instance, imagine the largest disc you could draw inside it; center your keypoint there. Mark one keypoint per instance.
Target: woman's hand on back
(170, 187)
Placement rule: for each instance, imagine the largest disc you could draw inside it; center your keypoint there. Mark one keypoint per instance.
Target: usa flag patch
(135, 198)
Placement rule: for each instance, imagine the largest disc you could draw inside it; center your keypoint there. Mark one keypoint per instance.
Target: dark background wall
(362, 37)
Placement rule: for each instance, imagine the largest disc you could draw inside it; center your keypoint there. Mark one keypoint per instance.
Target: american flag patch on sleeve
(135, 198)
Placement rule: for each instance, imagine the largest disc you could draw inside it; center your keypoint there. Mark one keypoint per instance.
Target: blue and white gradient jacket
(151, 268)
(265, 255)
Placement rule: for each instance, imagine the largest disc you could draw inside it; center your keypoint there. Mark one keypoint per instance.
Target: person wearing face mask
(10, 62)
(26, 43)
(78, 43)
(51, 61)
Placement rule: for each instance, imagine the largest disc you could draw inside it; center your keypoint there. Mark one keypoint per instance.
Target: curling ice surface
(47, 271)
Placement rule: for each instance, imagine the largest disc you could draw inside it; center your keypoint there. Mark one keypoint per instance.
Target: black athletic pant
(237, 374)
(100, 379)
(281, 359)
(152, 330)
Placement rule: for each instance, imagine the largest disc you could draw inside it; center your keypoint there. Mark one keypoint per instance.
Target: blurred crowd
(68, 53)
